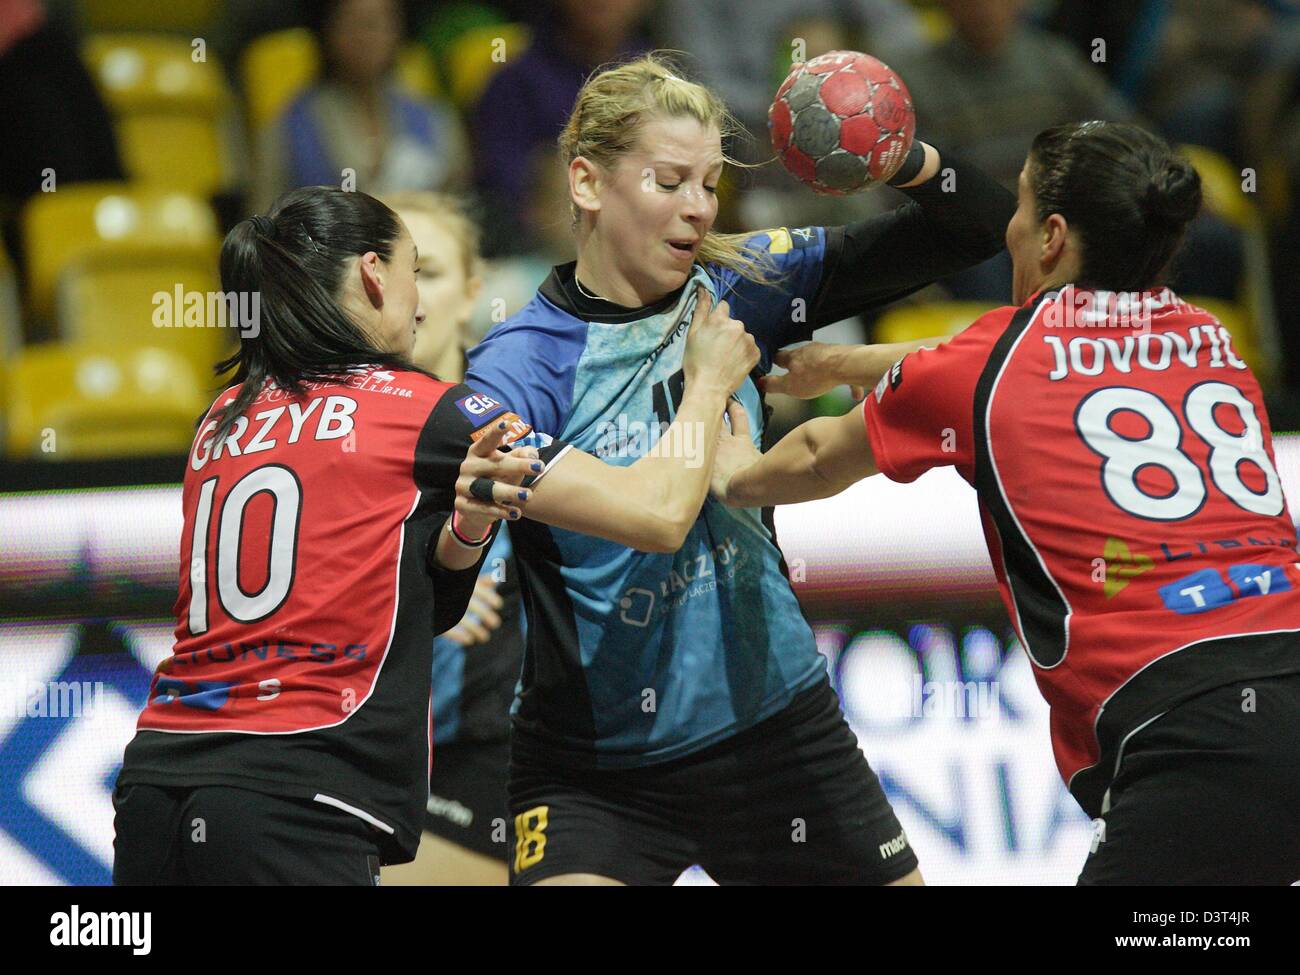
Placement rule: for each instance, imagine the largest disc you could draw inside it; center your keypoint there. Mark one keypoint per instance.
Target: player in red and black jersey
(338, 502)
(1124, 465)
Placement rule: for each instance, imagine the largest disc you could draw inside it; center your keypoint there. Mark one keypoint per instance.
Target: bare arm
(649, 505)
(817, 459)
(818, 367)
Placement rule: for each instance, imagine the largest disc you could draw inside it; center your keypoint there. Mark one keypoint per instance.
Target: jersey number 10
(282, 547)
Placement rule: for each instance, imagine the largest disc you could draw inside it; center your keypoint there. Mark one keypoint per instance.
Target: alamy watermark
(180, 308)
(622, 437)
(975, 699)
(50, 699)
(1072, 307)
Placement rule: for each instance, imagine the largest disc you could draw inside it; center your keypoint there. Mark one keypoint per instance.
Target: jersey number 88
(1124, 457)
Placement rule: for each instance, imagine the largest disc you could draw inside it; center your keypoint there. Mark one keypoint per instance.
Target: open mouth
(684, 248)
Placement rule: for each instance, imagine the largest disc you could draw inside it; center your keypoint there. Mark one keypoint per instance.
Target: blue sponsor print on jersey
(1197, 593)
(207, 695)
(1258, 580)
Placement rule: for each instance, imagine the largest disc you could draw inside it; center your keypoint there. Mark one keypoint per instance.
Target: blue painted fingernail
(523, 495)
(514, 514)
(537, 466)
(501, 425)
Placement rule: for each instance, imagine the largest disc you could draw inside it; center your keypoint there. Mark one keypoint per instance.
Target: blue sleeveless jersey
(633, 657)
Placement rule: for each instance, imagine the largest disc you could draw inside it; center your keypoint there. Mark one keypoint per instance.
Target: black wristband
(912, 164)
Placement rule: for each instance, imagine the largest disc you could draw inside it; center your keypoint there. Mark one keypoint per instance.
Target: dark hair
(295, 259)
(1123, 190)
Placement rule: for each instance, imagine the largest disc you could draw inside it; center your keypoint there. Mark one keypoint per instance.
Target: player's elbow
(666, 531)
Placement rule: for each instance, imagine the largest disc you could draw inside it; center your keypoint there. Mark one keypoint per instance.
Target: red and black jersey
(309, 597)
(1133, 511)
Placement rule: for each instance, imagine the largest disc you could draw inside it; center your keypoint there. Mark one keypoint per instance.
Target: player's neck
(599, 279)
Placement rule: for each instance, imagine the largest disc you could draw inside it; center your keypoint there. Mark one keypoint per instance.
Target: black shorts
(222, 835)
(791, 800)
(1209, 793)
(467, 796)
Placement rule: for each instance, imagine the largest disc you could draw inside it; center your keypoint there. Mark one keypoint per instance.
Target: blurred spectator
(1207, 52)
(997, 82)
(528, 101)
(511, 281)
(358, 118)
(1271, 148)
(51, 115)
(54, 128)
(1130, 32)
(735, 43)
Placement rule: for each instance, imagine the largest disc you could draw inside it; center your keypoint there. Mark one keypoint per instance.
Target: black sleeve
(937, 233)
(439, 452)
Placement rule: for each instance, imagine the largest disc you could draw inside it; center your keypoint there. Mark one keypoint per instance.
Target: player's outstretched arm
(818, 367)
(652, 504)
(817, 459)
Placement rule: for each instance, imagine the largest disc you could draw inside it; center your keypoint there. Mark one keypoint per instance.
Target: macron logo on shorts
(893, 847)
(478, 407)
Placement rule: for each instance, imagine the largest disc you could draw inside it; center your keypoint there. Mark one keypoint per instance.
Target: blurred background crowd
(133, 133)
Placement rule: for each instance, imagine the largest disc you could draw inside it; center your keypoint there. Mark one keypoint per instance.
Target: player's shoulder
(986, 328)
(541, 336)
(783, 240)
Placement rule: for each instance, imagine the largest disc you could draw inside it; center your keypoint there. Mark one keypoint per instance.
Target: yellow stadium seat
(1221, 186)
(192, 16)
(416, 71)
(170, 109)
(907, 323)
(72, 401)
(277, 67)
(74, 220)
(274, 68)
(477, 54)
(144, 296)
(180, 152)
(936, 25)
(151, 71)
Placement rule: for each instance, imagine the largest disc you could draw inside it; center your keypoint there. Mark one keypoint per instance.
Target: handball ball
(842, 122)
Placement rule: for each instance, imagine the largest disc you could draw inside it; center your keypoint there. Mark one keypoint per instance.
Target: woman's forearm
(815, 460)
(648, 505)
(673, 478)
(786, 474)
(863, 365)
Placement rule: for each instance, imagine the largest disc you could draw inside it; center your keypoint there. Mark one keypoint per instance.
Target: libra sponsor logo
(1122, 566)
